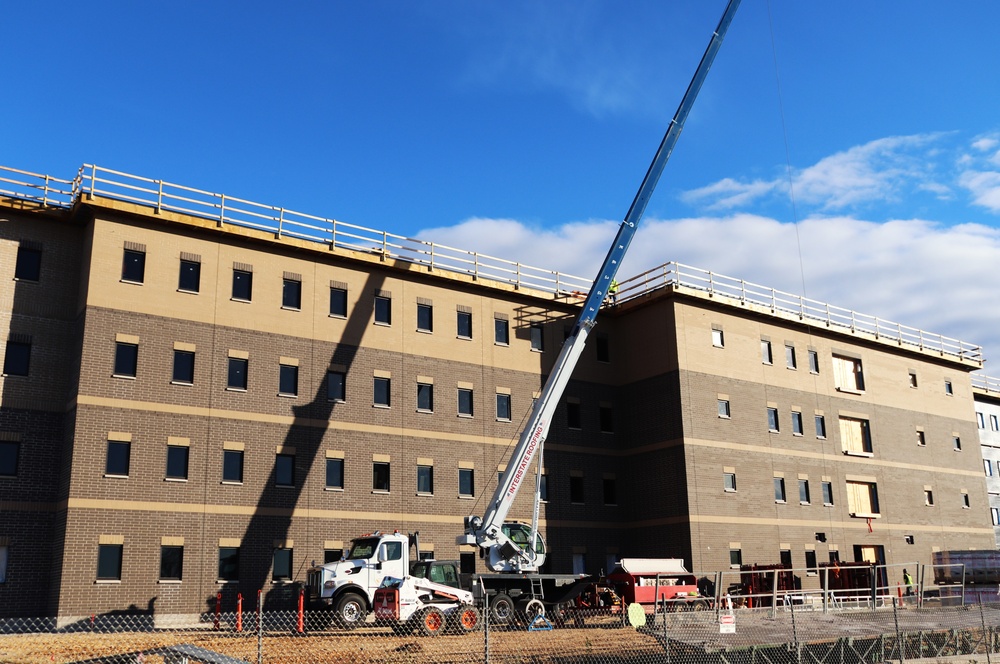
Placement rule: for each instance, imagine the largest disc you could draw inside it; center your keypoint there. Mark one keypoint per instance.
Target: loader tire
(432, 621)
(467, 619)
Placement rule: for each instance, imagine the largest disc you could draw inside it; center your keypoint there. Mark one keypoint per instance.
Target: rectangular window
(336, 388)
(862, 498)
(183, 367)
(117, 460)
(501, 331)
(827, 493)
(765, 352)
(171, 563)
(610, 491)
(804, 492)
(332, 555)
(381, 392)
(338, 302)
(189, 279)
(779, 489)
(573, 416)
(921, 438)
(335, 474)
(981, 420)
(718, 340)
(9, 453)
(537, 337)
(291, 293)
(813, 362)
(948, 389)
(735, 558)
(284, 470)
(425, 397)
(383, 310)
(956, 443)
(232, 466)
(177, 462)
(465, 402)
(28, 265)
(848, 375)
(425, 318)
(928, 498)
(134, 266)
(994, 423)
(995, 515)
(288, 380)
(126, 359)
(229, 563)
(576, 489)
(820, 426)
(425, 479)
(790, 361)
(729, 482)
(543, 489)
(988, 467)
(855, 436)
(109, 562)
(281, 569)
(723, 406)
(463, 324)
(380, 476)
(242, 285)
(607, 418)
(237, 376)
(913, 378)
(17, 358)
(772, 420)
(603, 348)
(503, 407)
(966, 504)
(466, 482)
(796, 423)
(811, 568)
(785, 558)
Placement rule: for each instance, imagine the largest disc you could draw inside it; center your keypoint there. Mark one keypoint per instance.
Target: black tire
(467, 618)
(501, 609)
(700, 605)
(432, 621)
(350, 610)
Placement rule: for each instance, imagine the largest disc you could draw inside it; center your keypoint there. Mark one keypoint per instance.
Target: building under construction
(205, 395)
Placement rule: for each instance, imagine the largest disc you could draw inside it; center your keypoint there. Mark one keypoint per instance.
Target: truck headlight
(330, 584)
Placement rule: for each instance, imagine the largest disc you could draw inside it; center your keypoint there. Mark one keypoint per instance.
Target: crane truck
(513, 551)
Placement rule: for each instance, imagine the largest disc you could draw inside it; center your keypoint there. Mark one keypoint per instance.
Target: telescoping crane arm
(487, 532)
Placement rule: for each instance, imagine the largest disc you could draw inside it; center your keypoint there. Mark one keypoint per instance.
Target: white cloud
(984, 187)
(915, 272)
(878, 171)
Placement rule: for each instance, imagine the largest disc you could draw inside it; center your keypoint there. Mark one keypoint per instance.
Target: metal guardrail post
(222, 210)
(159, 196)
(281, 220)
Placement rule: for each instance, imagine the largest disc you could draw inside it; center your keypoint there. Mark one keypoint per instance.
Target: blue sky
(849, 150)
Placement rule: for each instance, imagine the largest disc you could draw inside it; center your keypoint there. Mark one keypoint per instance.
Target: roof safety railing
(230, 210)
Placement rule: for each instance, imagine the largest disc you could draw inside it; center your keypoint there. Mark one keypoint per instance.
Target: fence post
(239, 612)
(987, 637)
(218, 609)
(260, 629)
(899, 635)
(300, 617)
(666, 635)
(774, 592)
(795, 634)
(486, 622)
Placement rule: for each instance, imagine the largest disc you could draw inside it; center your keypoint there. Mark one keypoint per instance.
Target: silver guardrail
(985, 383)
(740, 292)
(161, 195)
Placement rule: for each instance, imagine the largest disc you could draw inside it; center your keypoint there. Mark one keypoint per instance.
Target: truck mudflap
(387, 604)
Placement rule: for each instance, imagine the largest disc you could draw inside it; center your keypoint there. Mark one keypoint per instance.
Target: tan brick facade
(660, 466)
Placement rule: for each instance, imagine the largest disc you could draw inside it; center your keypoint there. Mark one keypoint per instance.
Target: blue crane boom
(507, 553)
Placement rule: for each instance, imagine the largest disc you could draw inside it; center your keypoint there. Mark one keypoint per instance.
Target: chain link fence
(672, 634)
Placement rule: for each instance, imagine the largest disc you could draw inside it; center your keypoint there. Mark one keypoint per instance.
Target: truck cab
(347, 587)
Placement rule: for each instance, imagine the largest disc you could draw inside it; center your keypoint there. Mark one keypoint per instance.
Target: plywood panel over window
(862, 498)
(855, 437)
(847, 374)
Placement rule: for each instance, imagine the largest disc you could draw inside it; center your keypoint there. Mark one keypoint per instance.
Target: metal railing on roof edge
(985, 383)
(223, 209)
(740, 292)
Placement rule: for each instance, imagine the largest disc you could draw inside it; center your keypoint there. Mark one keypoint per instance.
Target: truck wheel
(351, 610)
(501, 609)
(432, 621)
(530, 609)
(467, 619)
(699, 605)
